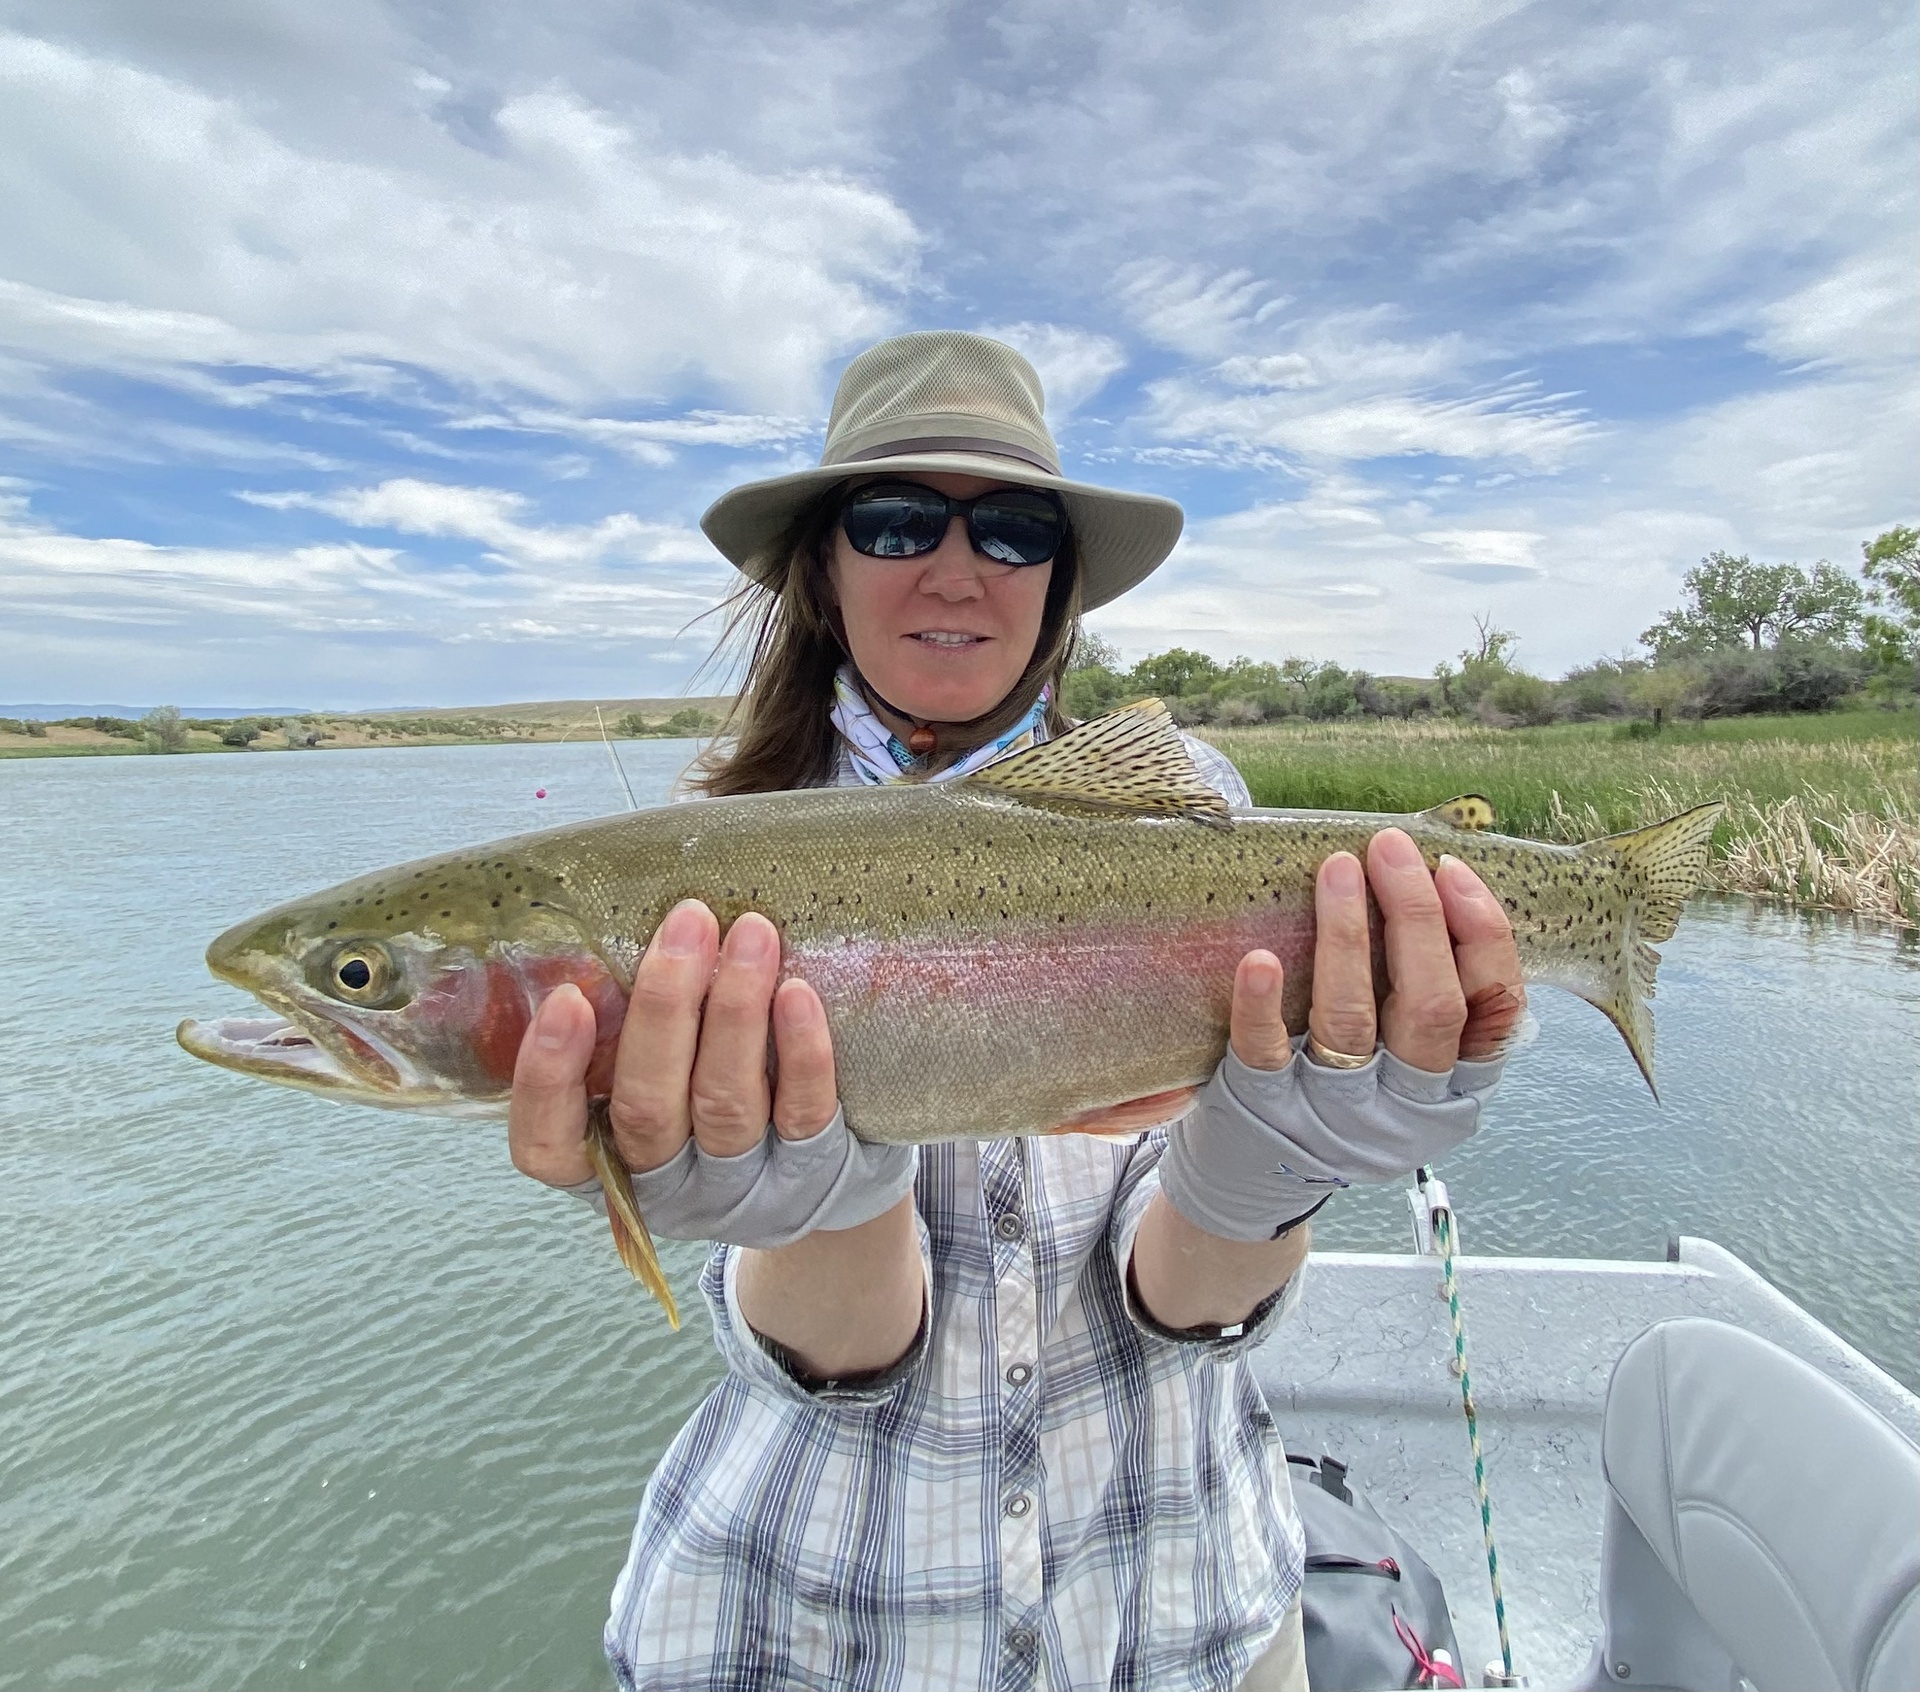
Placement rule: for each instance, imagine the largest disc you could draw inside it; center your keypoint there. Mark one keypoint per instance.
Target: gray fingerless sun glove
(773, 1194)
(1262, 1147)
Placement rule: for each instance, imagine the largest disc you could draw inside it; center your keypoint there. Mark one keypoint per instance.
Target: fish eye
(359, 973)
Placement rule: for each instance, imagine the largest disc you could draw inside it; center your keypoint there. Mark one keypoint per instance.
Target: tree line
(1748, 638)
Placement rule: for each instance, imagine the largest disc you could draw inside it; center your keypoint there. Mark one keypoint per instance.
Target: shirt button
(1019, 1504)
(1020, 1639)
(1018, 1375)
(1010, 1226)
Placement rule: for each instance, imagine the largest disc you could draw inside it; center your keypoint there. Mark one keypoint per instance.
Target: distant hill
(556, 712)
(45, 713)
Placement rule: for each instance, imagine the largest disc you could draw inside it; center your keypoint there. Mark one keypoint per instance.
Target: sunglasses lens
(895, 521)
(1018, 528)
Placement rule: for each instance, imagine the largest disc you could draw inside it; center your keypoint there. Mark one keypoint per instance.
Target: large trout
(1034, 948)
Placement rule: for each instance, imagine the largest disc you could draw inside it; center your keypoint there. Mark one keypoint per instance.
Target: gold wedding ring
(1332, 1059)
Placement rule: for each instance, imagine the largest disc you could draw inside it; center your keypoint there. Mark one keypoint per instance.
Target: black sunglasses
(907, 520)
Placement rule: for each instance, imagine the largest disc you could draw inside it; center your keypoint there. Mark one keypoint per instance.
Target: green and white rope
(1443, 1224)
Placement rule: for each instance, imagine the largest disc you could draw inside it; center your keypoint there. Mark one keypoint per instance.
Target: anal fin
(1130, 1116)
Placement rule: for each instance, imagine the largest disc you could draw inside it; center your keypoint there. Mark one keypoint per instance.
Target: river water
(295, 1394)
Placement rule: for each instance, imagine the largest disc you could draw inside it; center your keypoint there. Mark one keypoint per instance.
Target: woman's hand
(692, 1061)
(1274, 1135)
(1451, 961)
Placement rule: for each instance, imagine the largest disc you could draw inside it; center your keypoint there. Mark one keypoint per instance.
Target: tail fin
(1662, 865)
(630, 1236)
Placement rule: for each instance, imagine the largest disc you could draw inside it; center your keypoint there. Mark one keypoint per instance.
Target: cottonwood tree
(1892, 568)
(1732, 601)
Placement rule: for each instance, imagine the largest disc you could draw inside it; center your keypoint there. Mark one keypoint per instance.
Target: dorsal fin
(1471, 811)
(1131, 760)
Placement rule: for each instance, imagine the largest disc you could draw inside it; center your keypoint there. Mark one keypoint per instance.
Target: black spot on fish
(496, 904)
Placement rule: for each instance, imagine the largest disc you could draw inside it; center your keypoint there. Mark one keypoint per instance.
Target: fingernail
(680, 935)
(1263, 977)
(1340, 876)
(546, 1034)
(1395, 851)
(795, 1011)
(750, 942)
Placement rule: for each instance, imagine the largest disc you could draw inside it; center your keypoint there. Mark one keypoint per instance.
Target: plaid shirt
(1050, 1490)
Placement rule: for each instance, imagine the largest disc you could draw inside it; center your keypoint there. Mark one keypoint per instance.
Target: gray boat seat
(1762, 1526)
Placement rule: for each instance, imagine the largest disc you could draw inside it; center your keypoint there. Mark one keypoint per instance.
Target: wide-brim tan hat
(942, 400)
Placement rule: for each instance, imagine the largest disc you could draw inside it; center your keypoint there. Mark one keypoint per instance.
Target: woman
(987, 1419)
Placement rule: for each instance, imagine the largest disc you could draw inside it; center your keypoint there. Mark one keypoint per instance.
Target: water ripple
(296, 1394)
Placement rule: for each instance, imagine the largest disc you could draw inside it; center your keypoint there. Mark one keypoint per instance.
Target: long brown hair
(780, 733)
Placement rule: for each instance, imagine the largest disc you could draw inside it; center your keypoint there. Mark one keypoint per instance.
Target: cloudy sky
(384, 352)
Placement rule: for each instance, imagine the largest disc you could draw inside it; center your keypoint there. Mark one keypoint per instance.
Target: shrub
(242, 733)
(1171, 674)
(689, 722)
(164, 729)
(1330, 693)
(1518, 697)
(1600, 689)
(123, 728)
(1092, 690)
(1793, 676)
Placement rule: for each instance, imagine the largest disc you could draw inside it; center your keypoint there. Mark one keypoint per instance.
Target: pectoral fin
(630, 1237)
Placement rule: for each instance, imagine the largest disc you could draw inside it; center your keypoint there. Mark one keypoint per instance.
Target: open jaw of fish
(1046, 945)
(438, 1033)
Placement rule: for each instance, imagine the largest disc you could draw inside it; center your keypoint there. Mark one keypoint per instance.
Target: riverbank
(1822, 810)
(529, 723)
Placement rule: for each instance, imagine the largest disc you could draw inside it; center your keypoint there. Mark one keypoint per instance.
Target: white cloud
(1073, 364)
(152, 225)
(652, 440)
(634, 586)
(1183, 308)
(492, 516)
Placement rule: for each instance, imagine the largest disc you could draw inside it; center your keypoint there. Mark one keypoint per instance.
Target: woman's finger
(806, 1092)
(728, 1093)
(1258, 1028)
(1486, 957)
(547, 1114)
(648, 1109)
(1342, 1016)
(1424, 1010)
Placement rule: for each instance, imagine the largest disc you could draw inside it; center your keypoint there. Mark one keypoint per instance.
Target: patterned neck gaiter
(879, 757)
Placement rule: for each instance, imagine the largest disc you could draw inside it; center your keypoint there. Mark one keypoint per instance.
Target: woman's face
(944, 636)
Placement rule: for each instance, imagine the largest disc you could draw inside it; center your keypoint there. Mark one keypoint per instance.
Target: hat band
(949, 443)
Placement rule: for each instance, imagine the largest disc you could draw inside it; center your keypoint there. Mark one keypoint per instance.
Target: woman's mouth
(947, 640)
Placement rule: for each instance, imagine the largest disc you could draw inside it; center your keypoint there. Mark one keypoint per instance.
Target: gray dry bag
(1374, 1612)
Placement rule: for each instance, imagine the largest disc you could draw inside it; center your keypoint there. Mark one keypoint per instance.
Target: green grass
(1822, 810)
(1861, 757)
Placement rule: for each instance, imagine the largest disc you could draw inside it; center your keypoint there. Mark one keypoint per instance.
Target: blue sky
(383, 353)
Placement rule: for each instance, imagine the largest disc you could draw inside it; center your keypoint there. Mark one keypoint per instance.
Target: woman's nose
(953, 569)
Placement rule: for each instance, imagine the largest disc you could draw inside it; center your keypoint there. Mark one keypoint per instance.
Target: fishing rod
(619, 768)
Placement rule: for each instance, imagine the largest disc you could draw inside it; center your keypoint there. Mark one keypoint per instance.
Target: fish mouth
(312, 1053)
(276, 1050)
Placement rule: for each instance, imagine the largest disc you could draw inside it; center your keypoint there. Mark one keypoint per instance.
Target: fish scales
(1012, 953)
(990, 968)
